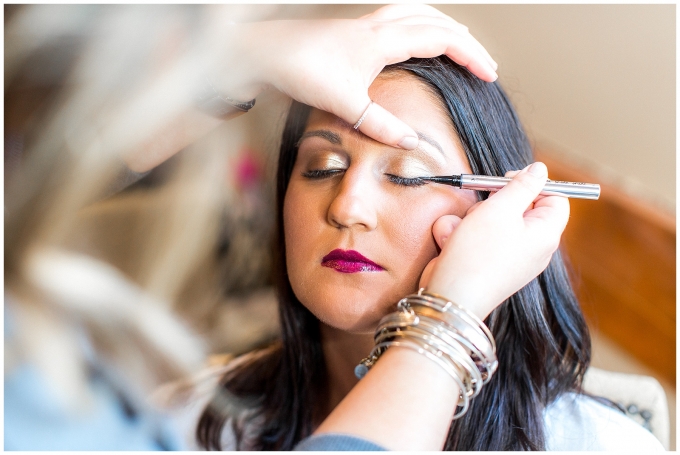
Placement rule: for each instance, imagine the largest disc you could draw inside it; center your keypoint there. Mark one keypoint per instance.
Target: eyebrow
(334, 138)
(432, 142)
(330, 136)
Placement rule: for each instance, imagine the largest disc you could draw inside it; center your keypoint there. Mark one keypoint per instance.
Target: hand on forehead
(411, 101)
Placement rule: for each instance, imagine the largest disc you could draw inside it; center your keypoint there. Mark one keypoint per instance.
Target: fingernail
(409, 143)
(538, 169)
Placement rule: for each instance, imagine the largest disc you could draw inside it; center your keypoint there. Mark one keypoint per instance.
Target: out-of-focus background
(595, 87)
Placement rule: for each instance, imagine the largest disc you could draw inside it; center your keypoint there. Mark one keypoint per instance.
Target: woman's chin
(356, 320)
(351, 304)
(353, 327)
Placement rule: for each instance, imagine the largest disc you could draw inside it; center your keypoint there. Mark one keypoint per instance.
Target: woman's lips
(349, 261)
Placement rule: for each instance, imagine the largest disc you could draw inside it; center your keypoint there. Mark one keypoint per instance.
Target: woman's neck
(342, 352)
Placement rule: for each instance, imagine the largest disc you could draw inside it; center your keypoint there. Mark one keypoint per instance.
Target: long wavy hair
(542, 338)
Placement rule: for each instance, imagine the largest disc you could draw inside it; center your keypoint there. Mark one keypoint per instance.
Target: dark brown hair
(543, 341)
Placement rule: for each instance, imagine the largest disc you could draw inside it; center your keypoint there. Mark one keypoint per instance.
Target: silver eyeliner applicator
(576, 190)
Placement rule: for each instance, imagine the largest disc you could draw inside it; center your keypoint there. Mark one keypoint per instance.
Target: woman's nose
(353, 205)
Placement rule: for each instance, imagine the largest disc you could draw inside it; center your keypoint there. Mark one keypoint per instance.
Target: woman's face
(358, 233)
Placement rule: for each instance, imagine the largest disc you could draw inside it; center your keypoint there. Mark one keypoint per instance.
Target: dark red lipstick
(349, 261)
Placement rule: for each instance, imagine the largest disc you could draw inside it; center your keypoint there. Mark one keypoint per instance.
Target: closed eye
(318, 174)
(404, 181)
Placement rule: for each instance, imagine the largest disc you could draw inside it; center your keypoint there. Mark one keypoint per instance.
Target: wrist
(220, 105)
(465, 294)
(445, 333)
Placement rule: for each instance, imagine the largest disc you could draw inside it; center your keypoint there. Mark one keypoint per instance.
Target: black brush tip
(453, 180)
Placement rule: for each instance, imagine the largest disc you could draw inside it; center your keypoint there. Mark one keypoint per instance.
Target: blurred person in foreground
(97, 96)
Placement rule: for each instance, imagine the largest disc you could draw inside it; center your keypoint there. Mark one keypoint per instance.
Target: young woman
(358, 231)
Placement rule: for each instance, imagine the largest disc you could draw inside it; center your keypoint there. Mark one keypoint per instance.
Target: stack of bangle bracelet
(444, 332)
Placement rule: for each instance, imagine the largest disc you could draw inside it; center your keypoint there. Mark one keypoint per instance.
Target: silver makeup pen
(490, 183)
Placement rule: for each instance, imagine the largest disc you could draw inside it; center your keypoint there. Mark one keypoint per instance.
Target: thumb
(444, 227)
(523, 189)
(381, 125)
(441, 230)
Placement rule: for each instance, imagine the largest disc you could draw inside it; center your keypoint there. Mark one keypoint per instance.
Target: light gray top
(576, 422)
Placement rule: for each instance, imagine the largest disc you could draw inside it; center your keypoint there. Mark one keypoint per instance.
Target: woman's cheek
(412, 237)
(413, 228)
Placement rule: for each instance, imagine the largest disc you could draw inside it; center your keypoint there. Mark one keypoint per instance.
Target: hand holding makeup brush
(500, 245)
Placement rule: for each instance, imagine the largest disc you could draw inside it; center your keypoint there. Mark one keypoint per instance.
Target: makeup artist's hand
(329, 64)
(500, 245)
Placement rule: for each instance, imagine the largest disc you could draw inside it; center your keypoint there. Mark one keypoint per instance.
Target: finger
(484, 52)
(480, 64)
(452, 25)
(383, 126)
(424, 14)
(511, 174)
(547, 223)
(474, 207)
(552, 211)
(444, 21)
(522, 190)
(444, 227)
(425, 41)
(392, 12)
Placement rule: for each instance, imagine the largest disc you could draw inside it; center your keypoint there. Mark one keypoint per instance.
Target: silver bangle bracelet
(468, 325)
(448, 346)
(397, 325)
(459, 361)
(458, 354)
(449, 304)
(396, 322)
(446, 333)
(454, 322)
(484, 366)
(480, 348)
(445, 306)
(427, 351)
